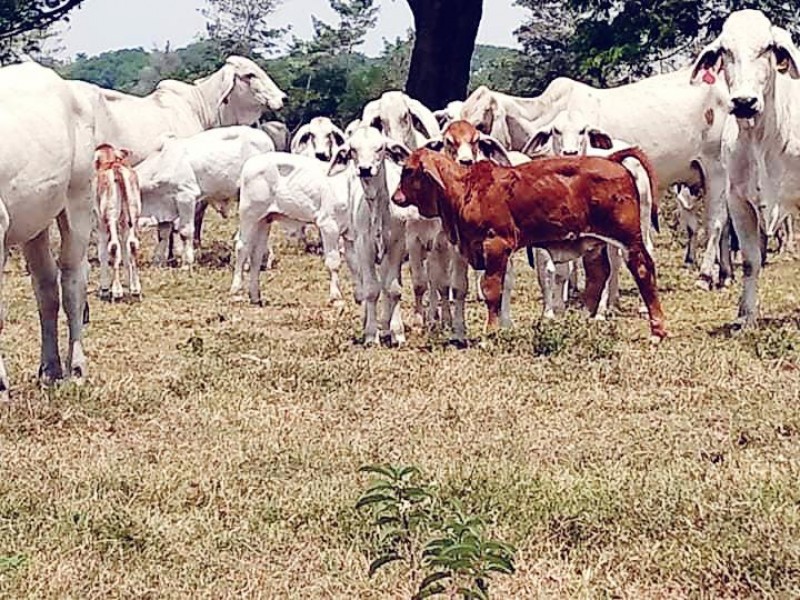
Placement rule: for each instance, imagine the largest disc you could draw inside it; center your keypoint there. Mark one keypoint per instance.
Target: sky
(101, 25)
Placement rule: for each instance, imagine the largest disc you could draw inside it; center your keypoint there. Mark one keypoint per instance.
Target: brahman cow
(760, 67)
(318, 139)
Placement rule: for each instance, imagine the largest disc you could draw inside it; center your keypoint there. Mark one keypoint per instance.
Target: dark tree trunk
(445, 32)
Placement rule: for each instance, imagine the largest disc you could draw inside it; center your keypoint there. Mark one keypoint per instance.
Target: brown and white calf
(571, 206)
(118, 205)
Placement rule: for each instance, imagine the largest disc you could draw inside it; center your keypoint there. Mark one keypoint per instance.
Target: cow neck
(376, 192)
(209, 95)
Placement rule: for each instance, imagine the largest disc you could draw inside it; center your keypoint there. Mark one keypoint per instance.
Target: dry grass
(214, 452)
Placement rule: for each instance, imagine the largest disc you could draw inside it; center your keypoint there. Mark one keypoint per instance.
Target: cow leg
(610, 296)
(726, 255)
(329, 235)
(716, 213)
(199, 214)
(496, 253)
(545, 270)
(163, 254)
(478, 290)
(508, 288)
(188, 231)
(258, 241)
(392, 291)
(419, 278)
(561, 282)
(44, 277)
(598, 271)
(745, 221)
(133, 246)
(103, 239)
(460, 284)
(370, 287)
(75, 228)
(5, 385)
(439, 272)
(643, 269)
(691, 246)
(116, 251)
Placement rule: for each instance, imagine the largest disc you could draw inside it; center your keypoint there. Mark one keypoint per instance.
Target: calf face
(462, 142)
(569, 134)
(366, 149)
(318, 138)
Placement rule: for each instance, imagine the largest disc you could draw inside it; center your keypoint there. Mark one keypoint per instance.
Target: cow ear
(423, 118)
(441, 116)
(397, 151)
(436, 144)
(434, 175)
(786, 54)
(534, 146)
(301, 139)
(337, 136)
(600, 139)
(710, 59)
(339, 161)
(493, 150)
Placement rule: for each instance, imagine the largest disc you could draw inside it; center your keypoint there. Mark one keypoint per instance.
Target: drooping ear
(423, 118)
(600, 139)
(436, 144)
(494, 150)
(371, 116)
(441, 117)
(228, 83)
(301, 139)
(433, 173)
(123, 154)
(337, 136)
(787, 57)
(339, 161)
(535, 145)
(710, 59)
(397, 151)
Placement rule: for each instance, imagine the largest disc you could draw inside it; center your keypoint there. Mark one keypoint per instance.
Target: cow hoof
(704, 283)
(370, 341)
(655, 339)
(104, 295)
(458, 343)
(136, 297)
(258, 302)
(78, 374)
(50, 374)
(337, 302)
(725, 282)
(549, 314)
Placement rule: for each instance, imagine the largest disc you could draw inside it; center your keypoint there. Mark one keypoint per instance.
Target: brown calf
(466, 145)
(570, 206)
(118, 204)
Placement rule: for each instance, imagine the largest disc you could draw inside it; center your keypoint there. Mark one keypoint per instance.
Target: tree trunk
(444, 40)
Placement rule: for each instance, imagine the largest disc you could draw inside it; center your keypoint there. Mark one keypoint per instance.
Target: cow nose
(744, 106)
(399, 197)
(364, 172)
(465, 161)
(570, 153)
(322, 156)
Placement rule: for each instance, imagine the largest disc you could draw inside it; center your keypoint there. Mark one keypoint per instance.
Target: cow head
(749, 53)
(366, 149)
(568, 134)
(399, 117)
(466, 145)
(420, 183)
(448, 114)
(318, 138)
(247, 91)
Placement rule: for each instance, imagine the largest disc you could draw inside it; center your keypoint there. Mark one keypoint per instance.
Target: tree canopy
(22, 23)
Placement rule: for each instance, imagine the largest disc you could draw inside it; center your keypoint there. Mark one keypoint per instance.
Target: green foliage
(118, 70)
(24, 24)
(241, 26)
(459, 560)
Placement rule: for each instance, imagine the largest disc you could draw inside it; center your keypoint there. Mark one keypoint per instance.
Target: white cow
(118, 205)
(183, 172)
(760, 68)
(45, 175)
(406, 120)
(380, 230)
(571, 133)
(287, 187)
(672, 121)
(688, 197)
(318, 138)
(351, 128)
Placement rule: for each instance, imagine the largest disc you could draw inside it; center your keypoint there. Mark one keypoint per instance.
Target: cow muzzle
(323, 156)
(745, 107)
(400, 198)
(365, 172)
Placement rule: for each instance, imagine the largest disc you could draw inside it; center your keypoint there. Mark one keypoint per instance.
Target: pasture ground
(215, 450)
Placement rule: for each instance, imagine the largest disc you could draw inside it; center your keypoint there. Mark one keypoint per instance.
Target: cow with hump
(571, 206)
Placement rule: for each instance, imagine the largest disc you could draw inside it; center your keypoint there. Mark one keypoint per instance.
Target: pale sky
(101, 25)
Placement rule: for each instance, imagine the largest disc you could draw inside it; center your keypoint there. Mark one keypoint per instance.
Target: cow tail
(639, 155)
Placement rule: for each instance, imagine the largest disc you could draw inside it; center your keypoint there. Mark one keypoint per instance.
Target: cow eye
(582, 131)
(249, 76)
(556, 131)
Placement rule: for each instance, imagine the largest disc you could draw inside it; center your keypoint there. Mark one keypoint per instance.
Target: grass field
(214, 451)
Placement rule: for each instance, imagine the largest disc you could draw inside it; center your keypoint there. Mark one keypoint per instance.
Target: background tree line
(601, 42)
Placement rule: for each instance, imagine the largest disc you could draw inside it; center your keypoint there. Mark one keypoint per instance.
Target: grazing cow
(118, 205)
(760, 67)
(572, 134)
(379, 228)
(287, 187)
(571, 206)
(46, 176)
(183, 173)
(318, 139)
(672, 121)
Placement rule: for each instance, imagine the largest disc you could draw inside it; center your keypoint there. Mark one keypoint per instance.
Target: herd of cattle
(572, 174)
